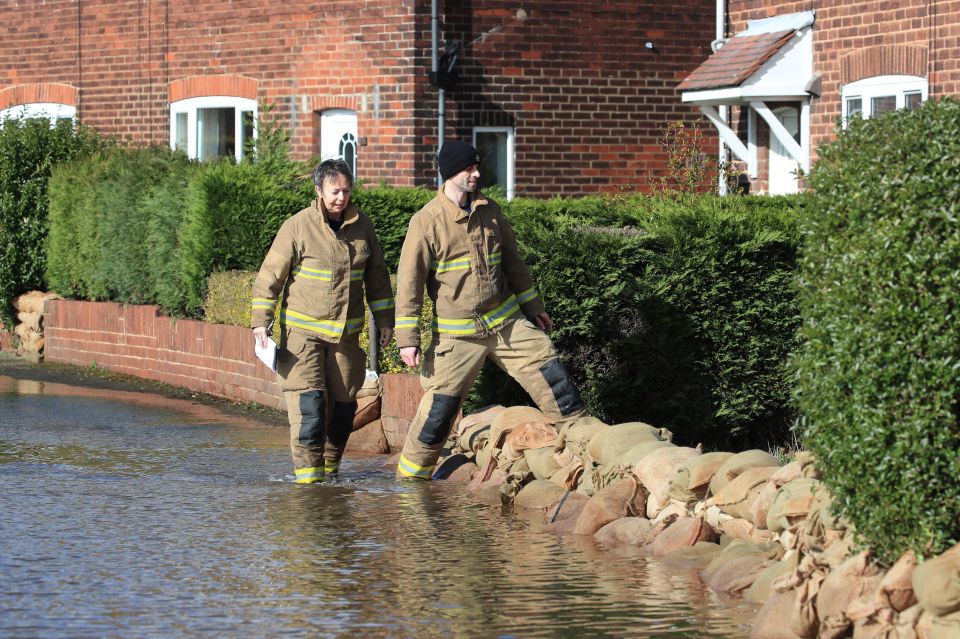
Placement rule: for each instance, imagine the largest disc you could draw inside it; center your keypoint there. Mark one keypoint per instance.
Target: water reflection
(127, 514)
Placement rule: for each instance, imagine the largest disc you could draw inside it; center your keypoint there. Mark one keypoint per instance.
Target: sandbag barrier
(29, 326)
(759, 529)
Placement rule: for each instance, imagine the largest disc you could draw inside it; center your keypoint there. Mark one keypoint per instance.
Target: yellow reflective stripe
(469, 327)
(309, 475)
(323, 274)
(381, 305)
(494, 259)
(262, 302)
(459, 264)
(354, 325)
(407, 322)
(356, 274)
(526, 296)
(455, 326)
(502, 312)
(331, 467)
(408, 469)
(324, 327)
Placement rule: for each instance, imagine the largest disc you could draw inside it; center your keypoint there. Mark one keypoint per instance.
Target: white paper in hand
(268, 354)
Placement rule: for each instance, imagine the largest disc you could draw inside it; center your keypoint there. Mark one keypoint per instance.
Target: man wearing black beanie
(462, 249)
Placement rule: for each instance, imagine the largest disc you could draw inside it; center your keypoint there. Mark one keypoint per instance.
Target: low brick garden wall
(215, 359)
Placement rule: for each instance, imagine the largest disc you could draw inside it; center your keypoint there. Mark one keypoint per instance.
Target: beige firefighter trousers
(320, 381)
(452, 364)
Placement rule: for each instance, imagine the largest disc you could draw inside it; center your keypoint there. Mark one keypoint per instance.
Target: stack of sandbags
(368, 435)
(29, 328)
(936, 583)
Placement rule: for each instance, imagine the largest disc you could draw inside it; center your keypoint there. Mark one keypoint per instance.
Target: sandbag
(568, 477)
(638, 452)
(528, 435)
(511, 417)
(692, 479)
(539, 494)
(738, 574)
(683, 533)
(474, 437)
(896, 587)
(607, 444)
(760, 506)
(762, 587)
(671, 509)
(368, 410)
(945, 627)
(702, 552)
(738, 548)
(579, 434)
(626, 531)
(792, 503)
(850, 580)
(541, 461)
(561, 519)
(738, 495)
(657, 469)
(808, 465)
(769, 622)
(936, 583)
(624, 497)
(482, 417)
(739, 463)
(463, 473)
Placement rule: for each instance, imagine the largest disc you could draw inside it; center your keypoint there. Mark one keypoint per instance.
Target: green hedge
(29, 149)
(677, 312)
(878, 373)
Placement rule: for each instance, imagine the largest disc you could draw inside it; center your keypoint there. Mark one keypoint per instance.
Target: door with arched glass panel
(338, 136)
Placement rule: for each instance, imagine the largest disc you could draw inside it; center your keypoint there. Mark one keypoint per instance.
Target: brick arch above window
(325, 102)
(198, 86)
(883, 60)
(41, 92)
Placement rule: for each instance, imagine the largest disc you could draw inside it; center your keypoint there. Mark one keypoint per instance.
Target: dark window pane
(492, 146)
(912, 100)
(216, 133)
(883, 104)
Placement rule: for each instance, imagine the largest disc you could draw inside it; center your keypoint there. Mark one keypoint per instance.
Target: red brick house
(784, 74)
(563, 97)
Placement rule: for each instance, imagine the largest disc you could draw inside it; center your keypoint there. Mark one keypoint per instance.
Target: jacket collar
(451, 207)
(349, 216)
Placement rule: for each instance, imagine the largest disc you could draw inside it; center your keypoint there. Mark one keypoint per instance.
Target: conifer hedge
(29, 149)
(878, 374)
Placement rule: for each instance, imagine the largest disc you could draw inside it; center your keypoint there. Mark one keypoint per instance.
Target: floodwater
(127, 514)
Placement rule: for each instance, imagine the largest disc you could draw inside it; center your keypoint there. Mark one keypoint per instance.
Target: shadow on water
(129, 514)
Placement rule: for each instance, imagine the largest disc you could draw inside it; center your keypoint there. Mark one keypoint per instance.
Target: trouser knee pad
(564, 392)
(341, 424)
(436, 427)
(312, 417)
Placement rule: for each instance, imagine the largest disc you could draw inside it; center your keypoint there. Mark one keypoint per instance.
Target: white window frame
(52, 110)
(881, 86)
(190, 106)
(511, 133)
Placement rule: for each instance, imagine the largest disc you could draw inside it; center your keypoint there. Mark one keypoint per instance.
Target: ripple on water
(128, 519)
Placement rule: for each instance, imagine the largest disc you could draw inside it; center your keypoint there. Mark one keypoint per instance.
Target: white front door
(338, 136)
(783, 168)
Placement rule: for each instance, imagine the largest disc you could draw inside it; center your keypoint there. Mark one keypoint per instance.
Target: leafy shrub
(877, 374)
(676, 312)
(29, 149)
(390, 209)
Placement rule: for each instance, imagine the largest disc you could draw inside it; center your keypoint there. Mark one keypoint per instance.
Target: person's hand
(260, 334)
(410, 356)
(385, 334)
(543, 322)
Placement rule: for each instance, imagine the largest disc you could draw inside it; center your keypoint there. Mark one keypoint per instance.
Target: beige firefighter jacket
(322, 275)
(470, 266)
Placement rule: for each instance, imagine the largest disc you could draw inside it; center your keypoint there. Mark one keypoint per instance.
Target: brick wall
(588, 99)
(209, 358)
(856, 40)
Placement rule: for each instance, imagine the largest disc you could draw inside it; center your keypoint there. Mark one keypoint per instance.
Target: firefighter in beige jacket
(461, 247)
(321, 260)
